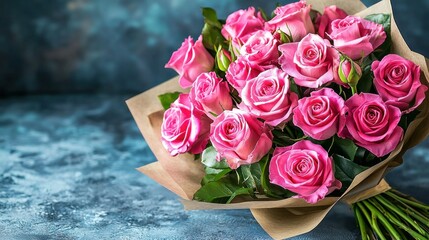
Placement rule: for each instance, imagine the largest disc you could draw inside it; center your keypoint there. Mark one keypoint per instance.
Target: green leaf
(380, 18)
(385, 21)
(212, 37)
(208, 159)
(167, 99)
(214, 176)
(210, 17)
(251, 176)
(222, 191)
(366, 81)
(263, 14)
(345, 147)
(346, 170)
(240, 191)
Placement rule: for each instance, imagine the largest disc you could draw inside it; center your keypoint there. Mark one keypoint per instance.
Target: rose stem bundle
(392, 215)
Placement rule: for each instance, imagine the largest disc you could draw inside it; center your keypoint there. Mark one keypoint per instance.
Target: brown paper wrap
(279, 218)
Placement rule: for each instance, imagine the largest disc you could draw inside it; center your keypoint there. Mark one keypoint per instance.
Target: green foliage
(222, 191)
(208, 159)
(344, 147)
(212, 36)
(167, 99)
(222, 184)
(346, 170)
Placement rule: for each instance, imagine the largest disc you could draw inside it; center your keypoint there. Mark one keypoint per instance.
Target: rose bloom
(310, 61)
(305, 169)
(240, 25)
(321, 115)
(240, 71)
(184, 128)
(397, 81)
(190, 60)
(211, 94)
(356, 37)
(268, 97)
(293, 19)
(323, 23)
(240, 138)
(260, 49)
(372, 124)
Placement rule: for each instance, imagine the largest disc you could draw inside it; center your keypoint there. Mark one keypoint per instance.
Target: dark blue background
(117, 46)
(69, 146)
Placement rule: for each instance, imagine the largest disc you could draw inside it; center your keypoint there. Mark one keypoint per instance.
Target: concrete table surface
(67, 171)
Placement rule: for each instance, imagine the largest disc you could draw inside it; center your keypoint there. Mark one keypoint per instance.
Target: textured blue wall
(116, 46)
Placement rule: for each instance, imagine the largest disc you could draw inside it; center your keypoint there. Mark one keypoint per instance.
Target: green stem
(417, 216)
(413, 212)
(361, 223)
(392, 207)
(380, 212)
(354, 89)
(368, 218)
(289, 131)
(407, 201)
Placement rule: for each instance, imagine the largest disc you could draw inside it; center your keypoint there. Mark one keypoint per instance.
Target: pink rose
(310, 61)
(268, 97)
(240, 138)
(184, 128)
(211, 94)
(323, 23)
(190, 60)
(240, 25)
(397, 80)
(304, 168)
(260, 49)
(321, 115)
(240, 71)
(356, 37)
(293, 19)
(372, 124)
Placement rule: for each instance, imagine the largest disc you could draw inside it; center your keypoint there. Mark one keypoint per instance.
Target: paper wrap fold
(279, 218)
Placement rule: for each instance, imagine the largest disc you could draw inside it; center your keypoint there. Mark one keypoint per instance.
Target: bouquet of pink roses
(300, 108)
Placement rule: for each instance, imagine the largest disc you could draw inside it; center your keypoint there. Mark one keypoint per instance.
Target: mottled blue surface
(67, 171)
(119, 46)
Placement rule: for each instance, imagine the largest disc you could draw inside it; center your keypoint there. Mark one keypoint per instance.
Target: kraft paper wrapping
(279, 218)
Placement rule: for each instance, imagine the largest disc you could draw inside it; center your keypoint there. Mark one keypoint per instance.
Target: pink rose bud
(211, 93)
(310, 61)
(349, 72)
(240, 138)
(268, 97)
(190, 60)
(293, 19)
(240, 71)
(372, 124)
(184, 128)
(304, 168)
(240, 25)
(320, 115)
(356, 37)
(397, 81)
(223, 59)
